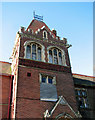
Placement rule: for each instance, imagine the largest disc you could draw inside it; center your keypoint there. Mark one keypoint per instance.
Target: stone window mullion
(47, 79)
(31, 51)
(25, 51)
(62, 58)
(36, 52)
(41, 53)
(53, 55)
(57, 56)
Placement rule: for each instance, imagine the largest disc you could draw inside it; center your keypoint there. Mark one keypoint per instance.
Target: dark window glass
(43, 79)
(50, 80)
(28, 52)
(81, 102)
(84, 93)
(79, 92)
(50, 57)
(34, 52)
(44, 34)
(55, 52)
(82, 98)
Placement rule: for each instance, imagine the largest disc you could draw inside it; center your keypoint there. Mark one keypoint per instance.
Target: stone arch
(33, 42)
(61, 51)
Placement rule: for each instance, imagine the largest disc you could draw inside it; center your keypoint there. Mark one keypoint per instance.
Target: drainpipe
(9, 98)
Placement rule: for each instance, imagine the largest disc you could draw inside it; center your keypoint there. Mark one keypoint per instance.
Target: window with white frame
(81, 96)
(47, 79)
(34, 52)
(56, 56)
(45, 34)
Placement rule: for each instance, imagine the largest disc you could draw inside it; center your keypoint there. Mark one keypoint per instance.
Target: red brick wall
(5, 95)
(28, 93)
(28, 104)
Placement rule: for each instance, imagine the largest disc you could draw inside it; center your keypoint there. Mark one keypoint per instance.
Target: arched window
(44, 34)
(56, 56)
(33, 51)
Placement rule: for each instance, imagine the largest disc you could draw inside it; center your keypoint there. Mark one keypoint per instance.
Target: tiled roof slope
(5, 68)
(36, 24)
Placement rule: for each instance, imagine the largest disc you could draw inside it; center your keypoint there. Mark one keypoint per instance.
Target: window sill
(49, 100)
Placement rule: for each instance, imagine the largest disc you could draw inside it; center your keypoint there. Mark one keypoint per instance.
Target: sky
(72, 20)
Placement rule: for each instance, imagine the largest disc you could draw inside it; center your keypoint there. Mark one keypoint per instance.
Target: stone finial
(65, 40)
(29, 30)
(54, 32)
(22, 29)
(58, 37)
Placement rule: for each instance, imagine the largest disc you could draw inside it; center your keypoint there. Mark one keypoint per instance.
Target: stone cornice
(43, 65)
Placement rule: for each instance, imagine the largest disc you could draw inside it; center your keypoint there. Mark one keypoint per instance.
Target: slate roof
(83, 80)
(78, 81)
(48, 92)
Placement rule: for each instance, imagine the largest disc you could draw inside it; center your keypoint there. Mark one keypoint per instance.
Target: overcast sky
(71, 20)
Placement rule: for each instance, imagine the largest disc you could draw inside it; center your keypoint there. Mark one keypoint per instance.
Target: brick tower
(42, 85)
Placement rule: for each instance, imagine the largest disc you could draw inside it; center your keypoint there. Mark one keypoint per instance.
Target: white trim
(81, 89)
(36, 32)
(49, 47)
(45, 99)
(52, 36)
(48, 114)
(56, 38)
(29, 30)
(42, 27)
(31, 41)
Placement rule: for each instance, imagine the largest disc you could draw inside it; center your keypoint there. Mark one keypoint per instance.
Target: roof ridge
(5, 62)
(83, 75)
(37, 22)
